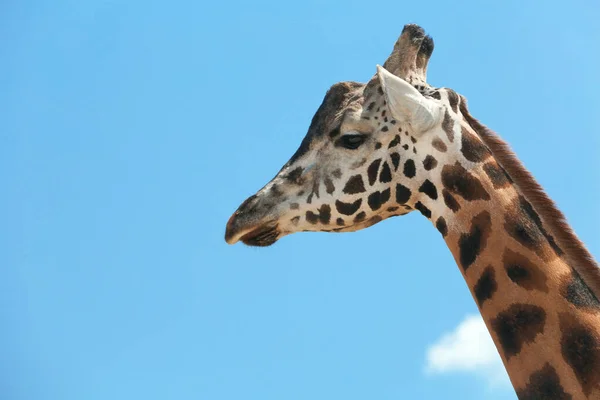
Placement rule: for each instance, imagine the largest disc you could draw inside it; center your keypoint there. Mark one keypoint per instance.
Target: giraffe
(396, 144)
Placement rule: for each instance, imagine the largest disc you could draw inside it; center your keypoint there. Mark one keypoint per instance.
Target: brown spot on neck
(448, 126)
(472, 148)
(450, 201)
(439, 145)
(580, 347)
(471, 244)
(517, 325)
(486, 286)
(497, 175)
(544, 384)
(523, 225)
(522, 271)
(453, 99)
(578, 293)
(461, 182)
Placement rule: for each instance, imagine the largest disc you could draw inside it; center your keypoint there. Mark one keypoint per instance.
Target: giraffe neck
(544, 320)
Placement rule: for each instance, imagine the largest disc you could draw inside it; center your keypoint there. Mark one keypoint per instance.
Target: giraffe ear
(406, 103)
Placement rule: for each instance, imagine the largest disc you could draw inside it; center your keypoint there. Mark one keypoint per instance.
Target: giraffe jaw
(262, 236)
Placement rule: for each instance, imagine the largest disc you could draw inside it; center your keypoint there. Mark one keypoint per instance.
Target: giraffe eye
(352, 141)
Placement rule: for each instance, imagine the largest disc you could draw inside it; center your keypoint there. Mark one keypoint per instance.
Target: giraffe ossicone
(395, 145)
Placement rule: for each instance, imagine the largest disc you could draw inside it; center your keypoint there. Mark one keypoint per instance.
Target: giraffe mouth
(262, 236)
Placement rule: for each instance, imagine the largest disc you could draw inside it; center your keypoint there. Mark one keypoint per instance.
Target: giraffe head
(364, 158)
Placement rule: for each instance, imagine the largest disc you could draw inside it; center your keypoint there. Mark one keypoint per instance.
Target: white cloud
(469, 348)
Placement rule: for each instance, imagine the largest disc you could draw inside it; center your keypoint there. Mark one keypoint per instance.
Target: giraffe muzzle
(258, 235)
(252, 225)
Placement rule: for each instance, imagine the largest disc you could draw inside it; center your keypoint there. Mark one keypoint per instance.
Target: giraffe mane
(576, 253)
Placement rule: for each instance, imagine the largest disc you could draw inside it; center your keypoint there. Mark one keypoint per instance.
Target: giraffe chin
(262, 236)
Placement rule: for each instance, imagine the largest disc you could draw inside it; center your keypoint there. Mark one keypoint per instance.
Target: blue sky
(129, 132)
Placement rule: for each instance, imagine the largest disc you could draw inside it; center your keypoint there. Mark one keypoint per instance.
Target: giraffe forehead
(340, 98)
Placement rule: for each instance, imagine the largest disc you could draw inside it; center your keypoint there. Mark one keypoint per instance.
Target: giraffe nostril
(246, 204)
